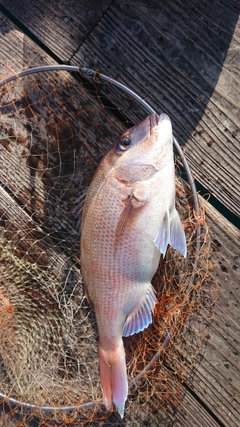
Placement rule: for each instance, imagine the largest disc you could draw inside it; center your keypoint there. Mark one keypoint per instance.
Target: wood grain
(210, 395)
(61, 26)
(44, 150)
(181, 57)
(216, 378)
(13, 55)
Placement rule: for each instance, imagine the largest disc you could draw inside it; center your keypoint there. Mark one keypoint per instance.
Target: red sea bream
(128, 220)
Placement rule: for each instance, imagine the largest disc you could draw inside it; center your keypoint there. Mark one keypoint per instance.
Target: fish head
(143, 149)
(150, 141)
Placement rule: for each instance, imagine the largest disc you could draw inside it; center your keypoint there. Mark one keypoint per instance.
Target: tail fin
(113, 375)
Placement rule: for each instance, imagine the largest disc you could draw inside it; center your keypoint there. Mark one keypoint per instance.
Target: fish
(128, 220)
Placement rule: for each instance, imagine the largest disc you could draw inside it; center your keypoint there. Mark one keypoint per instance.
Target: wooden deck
(183, 58)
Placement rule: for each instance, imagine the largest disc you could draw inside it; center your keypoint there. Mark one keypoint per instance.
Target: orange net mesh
(54, 129)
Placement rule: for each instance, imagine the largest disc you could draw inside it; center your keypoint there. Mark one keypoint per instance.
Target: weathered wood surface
(216, 376)
(182, 57)
(61, 26)
(216, 379)
(17, 58)
(80, 145)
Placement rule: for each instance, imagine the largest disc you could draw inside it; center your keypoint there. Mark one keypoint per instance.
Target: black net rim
(86, 72)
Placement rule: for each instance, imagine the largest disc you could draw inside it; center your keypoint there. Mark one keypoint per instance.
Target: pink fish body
(129, 218)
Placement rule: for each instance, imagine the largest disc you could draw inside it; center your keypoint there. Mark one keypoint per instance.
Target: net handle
(88, 72)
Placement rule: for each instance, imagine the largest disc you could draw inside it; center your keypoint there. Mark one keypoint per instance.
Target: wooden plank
(38, 246)
(61, 26)
(215, 377)
(18, 51)
(39, 156)
(183, 58)
(134, 410)
(210, 381)
(221, 358)
(43, 160)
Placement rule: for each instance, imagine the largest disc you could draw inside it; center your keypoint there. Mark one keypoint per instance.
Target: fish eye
(124, 143)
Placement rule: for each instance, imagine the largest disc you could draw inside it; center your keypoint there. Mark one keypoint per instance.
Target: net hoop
(87, 72)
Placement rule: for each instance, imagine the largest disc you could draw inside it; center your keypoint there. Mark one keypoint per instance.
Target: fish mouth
(158, 121)
(154, 122)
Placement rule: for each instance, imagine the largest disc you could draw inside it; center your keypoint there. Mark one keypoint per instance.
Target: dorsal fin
(78, 209)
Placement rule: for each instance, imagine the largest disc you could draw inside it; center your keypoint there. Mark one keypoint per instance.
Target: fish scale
(128, 220)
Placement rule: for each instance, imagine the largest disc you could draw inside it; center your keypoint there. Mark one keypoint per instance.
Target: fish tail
(113, 376)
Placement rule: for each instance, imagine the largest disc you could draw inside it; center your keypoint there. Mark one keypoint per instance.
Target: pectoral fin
(122, 222)
(128, 212)
(171, 233)
(141, 316)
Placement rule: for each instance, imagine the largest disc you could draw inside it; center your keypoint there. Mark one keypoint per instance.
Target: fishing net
(54, 129)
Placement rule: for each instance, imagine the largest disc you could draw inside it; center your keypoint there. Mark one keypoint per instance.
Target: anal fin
(141, 316)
